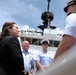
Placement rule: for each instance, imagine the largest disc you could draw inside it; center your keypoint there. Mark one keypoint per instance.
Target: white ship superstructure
(34, 39)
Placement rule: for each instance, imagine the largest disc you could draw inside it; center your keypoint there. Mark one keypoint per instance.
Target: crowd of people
(15, 60)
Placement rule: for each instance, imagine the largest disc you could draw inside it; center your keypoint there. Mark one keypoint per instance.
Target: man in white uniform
(69, 36)
(43, 59)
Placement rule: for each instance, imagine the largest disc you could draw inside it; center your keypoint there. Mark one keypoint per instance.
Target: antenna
(48, 5)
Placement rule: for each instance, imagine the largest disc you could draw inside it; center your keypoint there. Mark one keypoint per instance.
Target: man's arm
(66, 43)
(31, 70)
(38, 64)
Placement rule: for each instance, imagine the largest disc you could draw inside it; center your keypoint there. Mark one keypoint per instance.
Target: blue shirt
(28, 60)
(44, 58)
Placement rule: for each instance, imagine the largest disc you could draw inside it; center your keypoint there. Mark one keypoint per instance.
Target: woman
(11, 59)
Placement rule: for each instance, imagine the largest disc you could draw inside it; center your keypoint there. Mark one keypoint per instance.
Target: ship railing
(22, 32)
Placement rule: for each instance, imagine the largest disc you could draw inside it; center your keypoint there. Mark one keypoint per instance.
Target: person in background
(43, 58)
(69, 35)
(28, 58)
(11, 59)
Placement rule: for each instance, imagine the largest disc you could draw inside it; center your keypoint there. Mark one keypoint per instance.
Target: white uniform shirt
(70, 28)
(44, 58)
(70, 25)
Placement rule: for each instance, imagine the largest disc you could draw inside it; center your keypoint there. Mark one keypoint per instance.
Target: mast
(48, 5)
(47, 17)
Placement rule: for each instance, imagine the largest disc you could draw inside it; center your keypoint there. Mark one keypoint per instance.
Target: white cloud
(59, 31)
(26, 27)
(55, 31)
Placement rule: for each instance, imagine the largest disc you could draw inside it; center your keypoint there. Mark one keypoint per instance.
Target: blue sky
(28, 12)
